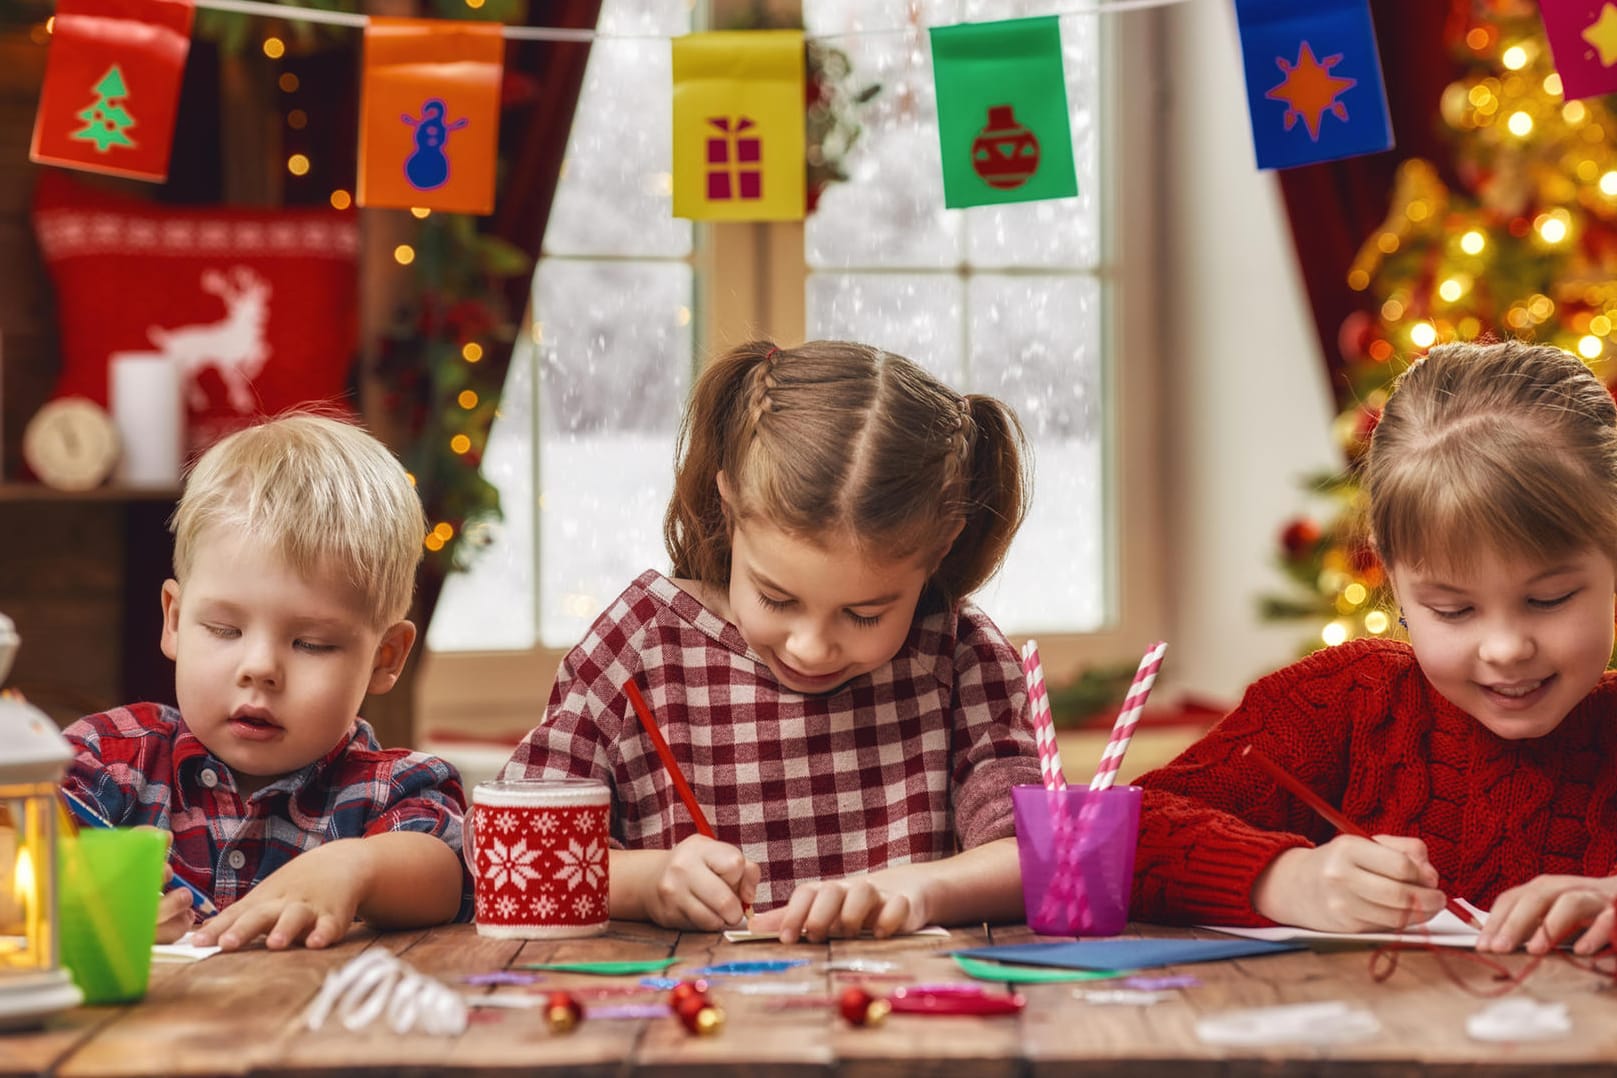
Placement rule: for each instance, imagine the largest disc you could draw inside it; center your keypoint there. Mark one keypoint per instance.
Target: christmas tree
(107, 122)
(1521, 243)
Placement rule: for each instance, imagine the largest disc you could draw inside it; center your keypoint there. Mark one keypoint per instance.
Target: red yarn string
(1384, 961)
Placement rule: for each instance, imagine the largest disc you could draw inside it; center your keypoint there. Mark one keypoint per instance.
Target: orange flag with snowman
(429, 114)
(738, 126)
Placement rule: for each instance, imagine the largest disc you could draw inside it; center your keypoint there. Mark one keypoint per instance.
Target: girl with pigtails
(849, 721)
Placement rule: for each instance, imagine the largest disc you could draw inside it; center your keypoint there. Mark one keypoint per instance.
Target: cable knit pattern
(1360, 724)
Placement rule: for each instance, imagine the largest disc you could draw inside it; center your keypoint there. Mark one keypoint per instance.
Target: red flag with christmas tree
(112, 86)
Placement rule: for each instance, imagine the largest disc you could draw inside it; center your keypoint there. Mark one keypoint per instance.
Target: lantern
(33, 756)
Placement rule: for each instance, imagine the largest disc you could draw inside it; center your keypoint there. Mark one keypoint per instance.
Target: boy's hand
(312, 899)
(884, 903)
(174, 916)
(704, 884)
(1351, 884)
(1547, 909)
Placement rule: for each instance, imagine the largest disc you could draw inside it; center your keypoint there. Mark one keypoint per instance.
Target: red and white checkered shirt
(141, 765)
(909, 762)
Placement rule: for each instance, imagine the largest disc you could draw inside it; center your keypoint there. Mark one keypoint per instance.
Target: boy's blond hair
(1507, 448)
(324, 493)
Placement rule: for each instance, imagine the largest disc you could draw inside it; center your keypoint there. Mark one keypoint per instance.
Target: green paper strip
(1003, 129)
(603, 969)
(998, 971)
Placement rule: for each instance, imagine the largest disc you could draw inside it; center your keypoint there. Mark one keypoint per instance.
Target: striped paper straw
(1128, 718)
(1044, 729)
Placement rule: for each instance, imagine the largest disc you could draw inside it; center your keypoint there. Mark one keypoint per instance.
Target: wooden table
(239, 1014)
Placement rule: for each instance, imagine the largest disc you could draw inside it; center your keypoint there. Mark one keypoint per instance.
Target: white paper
(143, 391)
(182, 950)
(742, 935)
(1444, 930)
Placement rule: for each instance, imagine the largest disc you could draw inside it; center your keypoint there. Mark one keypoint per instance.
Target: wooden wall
(62, 560)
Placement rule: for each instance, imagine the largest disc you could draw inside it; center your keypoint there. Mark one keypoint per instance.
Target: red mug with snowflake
(539, 858)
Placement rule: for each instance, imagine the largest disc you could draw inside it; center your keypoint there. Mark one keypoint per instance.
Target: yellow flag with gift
(738, 126)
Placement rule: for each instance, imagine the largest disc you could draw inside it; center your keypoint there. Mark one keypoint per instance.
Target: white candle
(144, 394)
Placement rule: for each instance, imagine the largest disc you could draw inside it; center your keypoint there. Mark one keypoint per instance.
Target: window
(582, 447)
(1027, 302)
(1003, 300)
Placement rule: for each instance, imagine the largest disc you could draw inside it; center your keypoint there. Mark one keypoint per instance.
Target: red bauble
(1300, 537)
(1004, 153)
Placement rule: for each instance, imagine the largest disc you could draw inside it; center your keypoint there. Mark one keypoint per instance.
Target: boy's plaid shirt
(142, 765)
(907, 763)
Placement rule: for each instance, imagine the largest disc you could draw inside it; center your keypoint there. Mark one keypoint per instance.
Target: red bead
(860, 1008)
(698, 1014)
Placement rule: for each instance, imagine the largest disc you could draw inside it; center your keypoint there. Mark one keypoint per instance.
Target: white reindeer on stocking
(233, 346)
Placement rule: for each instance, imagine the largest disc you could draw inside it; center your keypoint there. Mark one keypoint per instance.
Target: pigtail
(712, 434)
(996, 489)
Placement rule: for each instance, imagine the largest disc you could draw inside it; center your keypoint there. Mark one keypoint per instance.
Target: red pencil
(667, 756)
(1334, 817)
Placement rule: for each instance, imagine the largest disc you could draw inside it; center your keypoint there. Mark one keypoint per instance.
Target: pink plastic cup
(1107, 832)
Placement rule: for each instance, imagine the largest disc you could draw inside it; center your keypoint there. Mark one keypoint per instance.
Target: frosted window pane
(615, 365)
(1036, 344)
(616, 191)
(915, 315)
(890, 212)
(491, 606)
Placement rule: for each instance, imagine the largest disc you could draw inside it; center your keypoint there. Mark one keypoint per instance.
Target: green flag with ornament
(1002, 112)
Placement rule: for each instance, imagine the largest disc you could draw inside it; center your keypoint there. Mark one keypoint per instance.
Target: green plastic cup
(111, 883)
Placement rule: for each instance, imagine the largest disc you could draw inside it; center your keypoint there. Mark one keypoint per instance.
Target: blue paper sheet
(1126, 954)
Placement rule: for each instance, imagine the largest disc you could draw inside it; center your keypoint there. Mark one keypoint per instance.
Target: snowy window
(1008, 300)
(1004, 300)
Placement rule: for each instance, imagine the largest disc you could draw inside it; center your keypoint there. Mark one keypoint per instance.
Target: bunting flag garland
(1583, 41)
(1002, 112)
(1313, 80)
(430, 114)
(738, 126)
(112, 86)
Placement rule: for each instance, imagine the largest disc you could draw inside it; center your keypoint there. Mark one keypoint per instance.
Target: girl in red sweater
(1482, 754)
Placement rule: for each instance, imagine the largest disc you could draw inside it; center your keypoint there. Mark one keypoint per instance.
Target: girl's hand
(884, 903)
(1547, 909)
(704, 884)
(174, 917)
(1351, 884)
(311, 899)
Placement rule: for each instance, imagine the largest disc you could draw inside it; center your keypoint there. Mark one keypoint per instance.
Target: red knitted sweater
(1360, 724)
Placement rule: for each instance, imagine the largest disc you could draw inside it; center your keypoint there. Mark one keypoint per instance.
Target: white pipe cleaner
(378, 982)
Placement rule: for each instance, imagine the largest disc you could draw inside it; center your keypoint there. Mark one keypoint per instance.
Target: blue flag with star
(1313, 80)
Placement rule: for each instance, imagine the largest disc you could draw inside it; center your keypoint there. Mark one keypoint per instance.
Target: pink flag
(1583, 40)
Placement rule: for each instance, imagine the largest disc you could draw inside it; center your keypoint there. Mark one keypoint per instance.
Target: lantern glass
(27, 889)
(32, 757)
